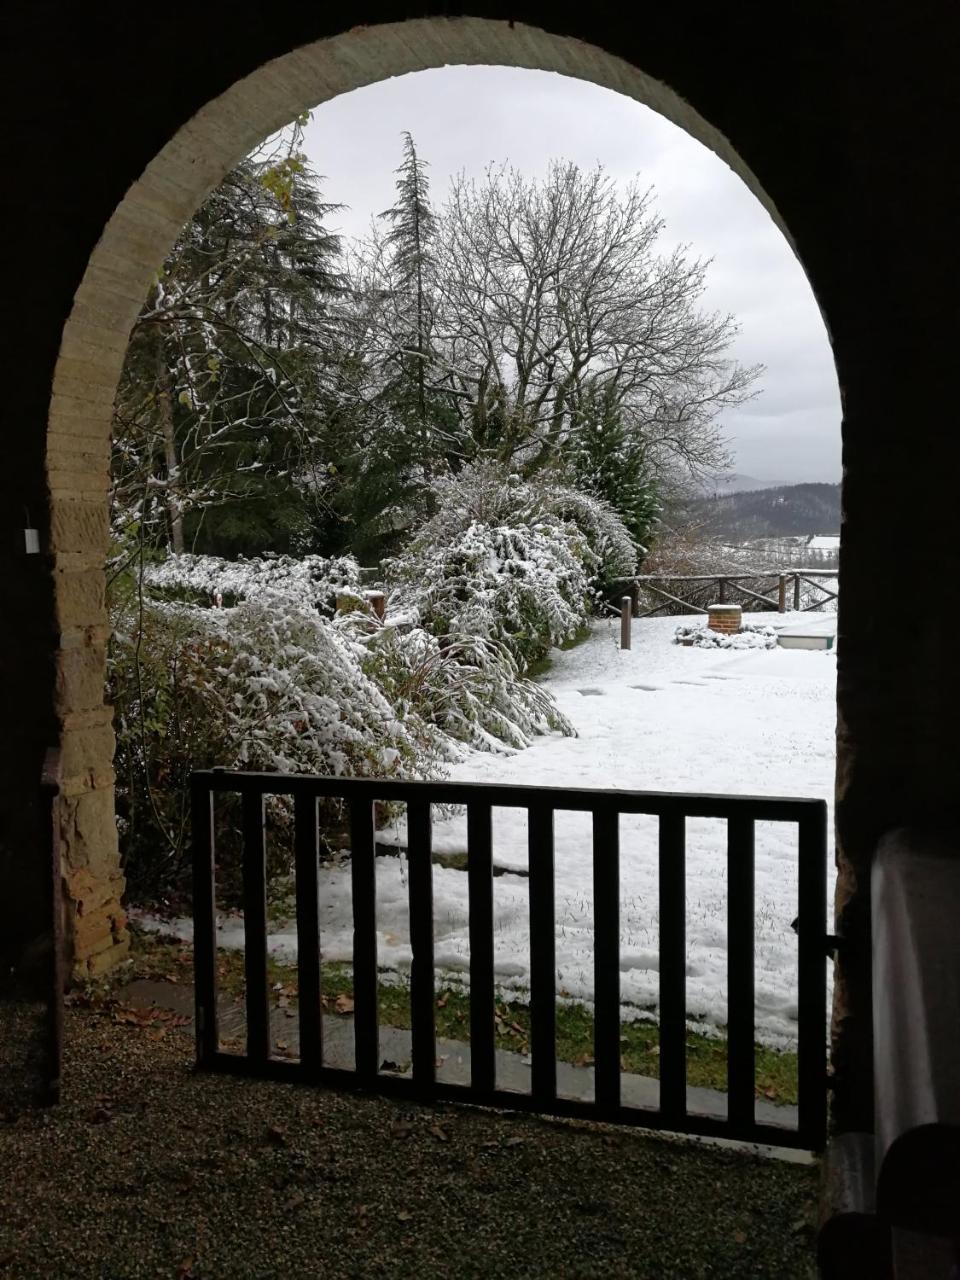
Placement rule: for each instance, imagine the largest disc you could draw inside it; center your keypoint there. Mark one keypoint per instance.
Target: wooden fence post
(626, 613)
(782, 593)
(722, 593)
(796, 591)
(635, 598)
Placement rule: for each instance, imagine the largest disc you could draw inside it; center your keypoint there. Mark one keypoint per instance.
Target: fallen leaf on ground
(439, 1133)
(404, 1215)
(344, 1003)
(740, 1237)
(276, 1136)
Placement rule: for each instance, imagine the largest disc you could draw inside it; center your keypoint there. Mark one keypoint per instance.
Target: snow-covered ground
(659, 717)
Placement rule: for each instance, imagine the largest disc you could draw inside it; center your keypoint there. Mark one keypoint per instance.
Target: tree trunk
(421, 372)
(164, 400)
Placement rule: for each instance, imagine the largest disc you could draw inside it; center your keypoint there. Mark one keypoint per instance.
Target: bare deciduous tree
(552, 298)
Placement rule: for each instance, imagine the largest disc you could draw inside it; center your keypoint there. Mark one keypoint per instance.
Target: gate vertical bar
(740, 977)
(204, 921)
(306, 854)
(480, 888)
(606, 956)
(422, 998)
(255, 925)
(543, 996)
(673, 968)
(812, 977)
(363, 870)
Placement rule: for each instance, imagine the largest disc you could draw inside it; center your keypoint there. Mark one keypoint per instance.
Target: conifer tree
(410, 243)
(217, 419)
(607, 461)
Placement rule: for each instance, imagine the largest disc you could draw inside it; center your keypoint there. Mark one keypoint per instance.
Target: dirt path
(148, 1169)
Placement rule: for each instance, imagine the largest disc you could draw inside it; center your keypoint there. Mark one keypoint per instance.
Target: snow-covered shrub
(484, 493)
(512, 562)
(312, 580)
(752, 635)
(606, 535)
(520, 587)
(274, 682)
(466, 691)
(270, 684)
(295, 696)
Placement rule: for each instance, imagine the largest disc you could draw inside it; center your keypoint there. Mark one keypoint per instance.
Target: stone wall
(125, 116)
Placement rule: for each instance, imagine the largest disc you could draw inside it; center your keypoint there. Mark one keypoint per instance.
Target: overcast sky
(466, 117)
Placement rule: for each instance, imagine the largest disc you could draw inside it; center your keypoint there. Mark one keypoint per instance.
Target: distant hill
(723, 485)
(789, 510)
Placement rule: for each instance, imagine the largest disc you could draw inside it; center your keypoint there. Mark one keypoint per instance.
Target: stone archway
(130, 251)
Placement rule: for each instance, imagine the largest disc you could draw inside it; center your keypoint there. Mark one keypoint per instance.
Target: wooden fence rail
(728, 587)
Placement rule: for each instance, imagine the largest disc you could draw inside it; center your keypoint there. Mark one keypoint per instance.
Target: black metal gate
(740, 814)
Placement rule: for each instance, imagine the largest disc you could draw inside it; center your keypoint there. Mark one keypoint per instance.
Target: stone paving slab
(453, 1056)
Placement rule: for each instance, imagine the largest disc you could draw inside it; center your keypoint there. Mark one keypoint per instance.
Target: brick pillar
(725, 618)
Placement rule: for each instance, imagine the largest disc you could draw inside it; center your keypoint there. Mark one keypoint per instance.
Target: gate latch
(832, 942)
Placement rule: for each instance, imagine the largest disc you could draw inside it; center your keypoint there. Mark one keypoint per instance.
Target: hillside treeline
(788, 511)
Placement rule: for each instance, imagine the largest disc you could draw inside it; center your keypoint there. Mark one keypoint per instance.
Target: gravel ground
(148, 1169)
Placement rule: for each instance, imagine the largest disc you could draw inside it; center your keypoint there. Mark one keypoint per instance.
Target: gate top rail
(507, 795)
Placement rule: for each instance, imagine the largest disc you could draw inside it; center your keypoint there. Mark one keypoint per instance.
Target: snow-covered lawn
(660, 717)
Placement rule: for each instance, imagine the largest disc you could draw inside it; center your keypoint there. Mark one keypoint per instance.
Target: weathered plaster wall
(846, 119)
